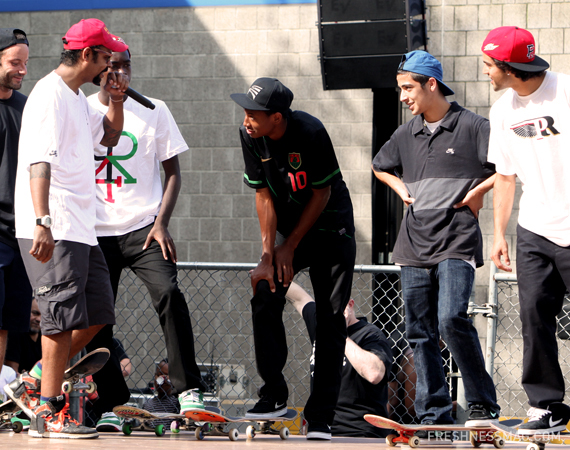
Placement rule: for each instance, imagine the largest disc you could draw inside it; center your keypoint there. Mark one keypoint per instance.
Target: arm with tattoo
(112, 135)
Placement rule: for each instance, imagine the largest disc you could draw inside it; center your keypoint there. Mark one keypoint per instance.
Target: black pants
(543, 273)
(330, 260)
(159, 276)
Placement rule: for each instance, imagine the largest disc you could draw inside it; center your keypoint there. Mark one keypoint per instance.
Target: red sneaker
(25, 392)
(58, 425)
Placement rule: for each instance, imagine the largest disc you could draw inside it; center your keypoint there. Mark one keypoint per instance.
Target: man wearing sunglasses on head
(437, 163)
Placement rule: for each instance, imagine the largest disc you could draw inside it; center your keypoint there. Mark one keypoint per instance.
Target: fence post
(492, 321)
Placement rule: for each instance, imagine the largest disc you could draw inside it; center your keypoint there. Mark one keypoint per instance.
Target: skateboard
(536, 441)
(477, 435)
(215, 423)
(132, 415)
(88, 365)
(8, 410)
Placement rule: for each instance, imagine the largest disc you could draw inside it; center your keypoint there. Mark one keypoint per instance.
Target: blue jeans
(436, 300)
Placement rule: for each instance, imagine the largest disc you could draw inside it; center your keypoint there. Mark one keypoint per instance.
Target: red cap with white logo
(89, 33)
(515, 47)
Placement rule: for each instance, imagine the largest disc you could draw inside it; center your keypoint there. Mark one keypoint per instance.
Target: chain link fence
(509, 345)
(218, 297)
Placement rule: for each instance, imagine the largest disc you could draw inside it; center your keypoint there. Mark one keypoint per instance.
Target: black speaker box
(362, 41)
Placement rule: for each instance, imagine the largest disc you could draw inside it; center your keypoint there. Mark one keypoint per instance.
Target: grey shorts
(73, 288)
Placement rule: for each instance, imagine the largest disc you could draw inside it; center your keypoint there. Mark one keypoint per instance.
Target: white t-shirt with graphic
(530, 137)
(60, 128)
(129, 188)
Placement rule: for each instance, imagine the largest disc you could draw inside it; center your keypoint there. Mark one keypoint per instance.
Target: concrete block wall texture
(194, 58)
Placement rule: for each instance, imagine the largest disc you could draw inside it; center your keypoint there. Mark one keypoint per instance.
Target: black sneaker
(319, 431)
(267, 407)
(435, 437)
(543, 421)
(481, 416)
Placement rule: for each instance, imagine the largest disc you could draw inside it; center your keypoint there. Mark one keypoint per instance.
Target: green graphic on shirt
(114, 160)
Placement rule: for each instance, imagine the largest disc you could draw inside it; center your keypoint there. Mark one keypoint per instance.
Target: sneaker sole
(319, 435)
(269, 415)
(530, 432)
(480, 422)
(54, 435)
(10, 393)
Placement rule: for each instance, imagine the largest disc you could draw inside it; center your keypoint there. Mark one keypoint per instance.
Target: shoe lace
(536, 414)
(109, 414)
(64, 416)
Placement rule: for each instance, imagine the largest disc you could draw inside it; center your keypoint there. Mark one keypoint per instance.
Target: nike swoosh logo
(265, 160)
(277, 406)
(555, 422)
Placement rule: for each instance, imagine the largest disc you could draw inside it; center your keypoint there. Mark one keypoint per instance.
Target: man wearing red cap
(529, 139)
(55, 217)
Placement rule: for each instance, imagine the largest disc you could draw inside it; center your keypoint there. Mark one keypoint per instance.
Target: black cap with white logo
(265, 94)
(12, 36)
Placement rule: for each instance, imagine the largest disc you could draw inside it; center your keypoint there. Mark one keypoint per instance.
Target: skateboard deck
(214, 424)
(90, 364)
(8, 410)
(536, 441)
(477, 436)
(132, 414)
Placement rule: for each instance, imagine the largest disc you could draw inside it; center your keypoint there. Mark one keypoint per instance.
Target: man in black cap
(15, 289)
(306, 221)
(529, 140)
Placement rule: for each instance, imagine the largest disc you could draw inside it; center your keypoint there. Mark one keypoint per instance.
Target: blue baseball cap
(423, 63)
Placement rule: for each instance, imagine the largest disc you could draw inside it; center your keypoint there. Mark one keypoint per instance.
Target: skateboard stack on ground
(204, 422)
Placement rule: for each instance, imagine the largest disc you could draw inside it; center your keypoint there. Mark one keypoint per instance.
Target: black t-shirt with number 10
(291, 167)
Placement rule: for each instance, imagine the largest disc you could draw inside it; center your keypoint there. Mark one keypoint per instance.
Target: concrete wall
(194, 58)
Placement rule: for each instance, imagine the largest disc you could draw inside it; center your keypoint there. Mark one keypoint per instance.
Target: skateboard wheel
(474, 442)
(17, 427)
(233, 434)
(284, 433)
(414, 442)
(67, 387)
(390, 440)
(92, 387)
(174, 427)
(533, 446)
(250, 432)
(198, 433)
(127, 429)
(159, 430)
(499, 442)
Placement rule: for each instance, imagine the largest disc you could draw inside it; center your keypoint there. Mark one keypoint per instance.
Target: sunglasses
(102, 51)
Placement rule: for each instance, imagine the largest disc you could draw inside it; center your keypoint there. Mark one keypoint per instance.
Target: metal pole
(492, 322)
(74, 395)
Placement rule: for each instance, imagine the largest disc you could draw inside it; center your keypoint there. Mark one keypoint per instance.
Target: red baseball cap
(91, 32)
(515, 47)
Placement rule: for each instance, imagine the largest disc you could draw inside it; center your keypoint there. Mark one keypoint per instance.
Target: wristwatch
(44, 221)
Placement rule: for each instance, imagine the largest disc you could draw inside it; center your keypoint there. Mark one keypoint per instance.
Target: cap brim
(247, 103)
(114, 44)
(536, 65)
(445, 89)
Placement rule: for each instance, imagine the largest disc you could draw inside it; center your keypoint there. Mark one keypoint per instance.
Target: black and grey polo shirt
(438, 170)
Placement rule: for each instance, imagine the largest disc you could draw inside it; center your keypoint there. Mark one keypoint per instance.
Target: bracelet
(116, 101)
